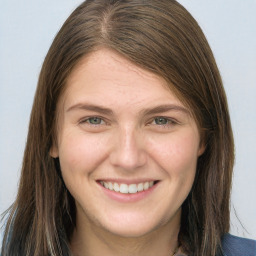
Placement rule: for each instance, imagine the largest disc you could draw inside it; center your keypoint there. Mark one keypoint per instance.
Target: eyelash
(87, 121)
(169, 121)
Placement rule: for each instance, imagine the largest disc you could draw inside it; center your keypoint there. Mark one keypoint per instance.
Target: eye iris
(94, 120)
(161, 120)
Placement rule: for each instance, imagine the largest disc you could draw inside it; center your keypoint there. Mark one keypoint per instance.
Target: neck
(91, 240)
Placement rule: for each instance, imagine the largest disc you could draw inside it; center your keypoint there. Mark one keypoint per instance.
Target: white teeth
(110, 186)
(140, 187)
(105, 184)
(132, 188)
(125, 188)
(146, 185)
(116, 187)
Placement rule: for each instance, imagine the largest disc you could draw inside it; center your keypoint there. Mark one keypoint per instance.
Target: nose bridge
(129, 152)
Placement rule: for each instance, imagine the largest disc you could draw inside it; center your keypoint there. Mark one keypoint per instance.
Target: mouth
(124, 188)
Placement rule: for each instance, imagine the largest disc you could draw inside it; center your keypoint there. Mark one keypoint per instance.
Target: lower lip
(126, 198)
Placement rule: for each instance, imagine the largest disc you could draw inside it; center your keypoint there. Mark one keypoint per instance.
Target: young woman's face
(127, 146)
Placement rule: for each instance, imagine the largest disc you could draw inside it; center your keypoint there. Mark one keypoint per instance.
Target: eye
(94, 120)
(162, 121)
(94, 124)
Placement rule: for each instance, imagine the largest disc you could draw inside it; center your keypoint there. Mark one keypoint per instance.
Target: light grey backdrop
(26, 30)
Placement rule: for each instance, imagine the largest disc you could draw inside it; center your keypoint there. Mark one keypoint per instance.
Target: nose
(128, 153)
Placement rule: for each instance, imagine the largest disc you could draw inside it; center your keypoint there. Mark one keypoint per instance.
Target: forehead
(104, 73)
(107, 64)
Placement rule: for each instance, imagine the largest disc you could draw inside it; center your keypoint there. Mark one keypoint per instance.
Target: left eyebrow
(165, 108)
(91, 107)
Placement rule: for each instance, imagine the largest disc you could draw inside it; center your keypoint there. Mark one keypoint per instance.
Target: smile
(127, 188)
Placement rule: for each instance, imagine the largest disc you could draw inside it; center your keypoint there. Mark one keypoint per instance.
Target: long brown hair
(159, 36)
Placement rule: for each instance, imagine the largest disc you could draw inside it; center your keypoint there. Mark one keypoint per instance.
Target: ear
(202, 144)
(54, 152)
(201, 149)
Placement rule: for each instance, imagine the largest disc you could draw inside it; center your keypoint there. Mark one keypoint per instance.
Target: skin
(128, 143)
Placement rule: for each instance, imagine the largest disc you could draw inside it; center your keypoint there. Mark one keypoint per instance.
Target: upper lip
(127, 181)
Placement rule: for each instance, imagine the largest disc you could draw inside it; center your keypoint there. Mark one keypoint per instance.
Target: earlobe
(54, 153)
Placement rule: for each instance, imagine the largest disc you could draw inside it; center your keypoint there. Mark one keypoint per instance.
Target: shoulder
(237, 246)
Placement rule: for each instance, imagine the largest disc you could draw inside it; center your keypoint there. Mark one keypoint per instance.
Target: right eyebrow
(165, 108)
(91, 107)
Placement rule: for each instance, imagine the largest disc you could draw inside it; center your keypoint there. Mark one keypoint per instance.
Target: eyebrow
(146, 111)
(91, 107)
(165, 108)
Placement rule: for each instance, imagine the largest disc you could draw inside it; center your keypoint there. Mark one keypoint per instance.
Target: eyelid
(169, 119)
(85, 119)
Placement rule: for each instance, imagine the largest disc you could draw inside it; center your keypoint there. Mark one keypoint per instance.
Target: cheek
(80, 154)
(177, 154)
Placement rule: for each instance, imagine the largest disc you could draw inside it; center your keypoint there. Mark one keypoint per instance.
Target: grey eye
(94, 120)
(161, 120)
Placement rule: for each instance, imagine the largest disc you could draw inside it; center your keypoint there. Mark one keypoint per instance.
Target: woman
(130, 148)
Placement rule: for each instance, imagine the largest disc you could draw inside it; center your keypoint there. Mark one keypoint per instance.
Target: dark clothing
(237, 246)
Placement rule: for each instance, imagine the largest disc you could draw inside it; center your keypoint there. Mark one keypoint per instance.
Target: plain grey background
(27, 29)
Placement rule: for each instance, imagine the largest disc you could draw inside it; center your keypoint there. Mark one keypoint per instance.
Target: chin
(129, 231)
(126, 226)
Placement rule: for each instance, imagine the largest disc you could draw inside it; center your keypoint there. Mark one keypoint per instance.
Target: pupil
(161, 120)
(95, 120)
